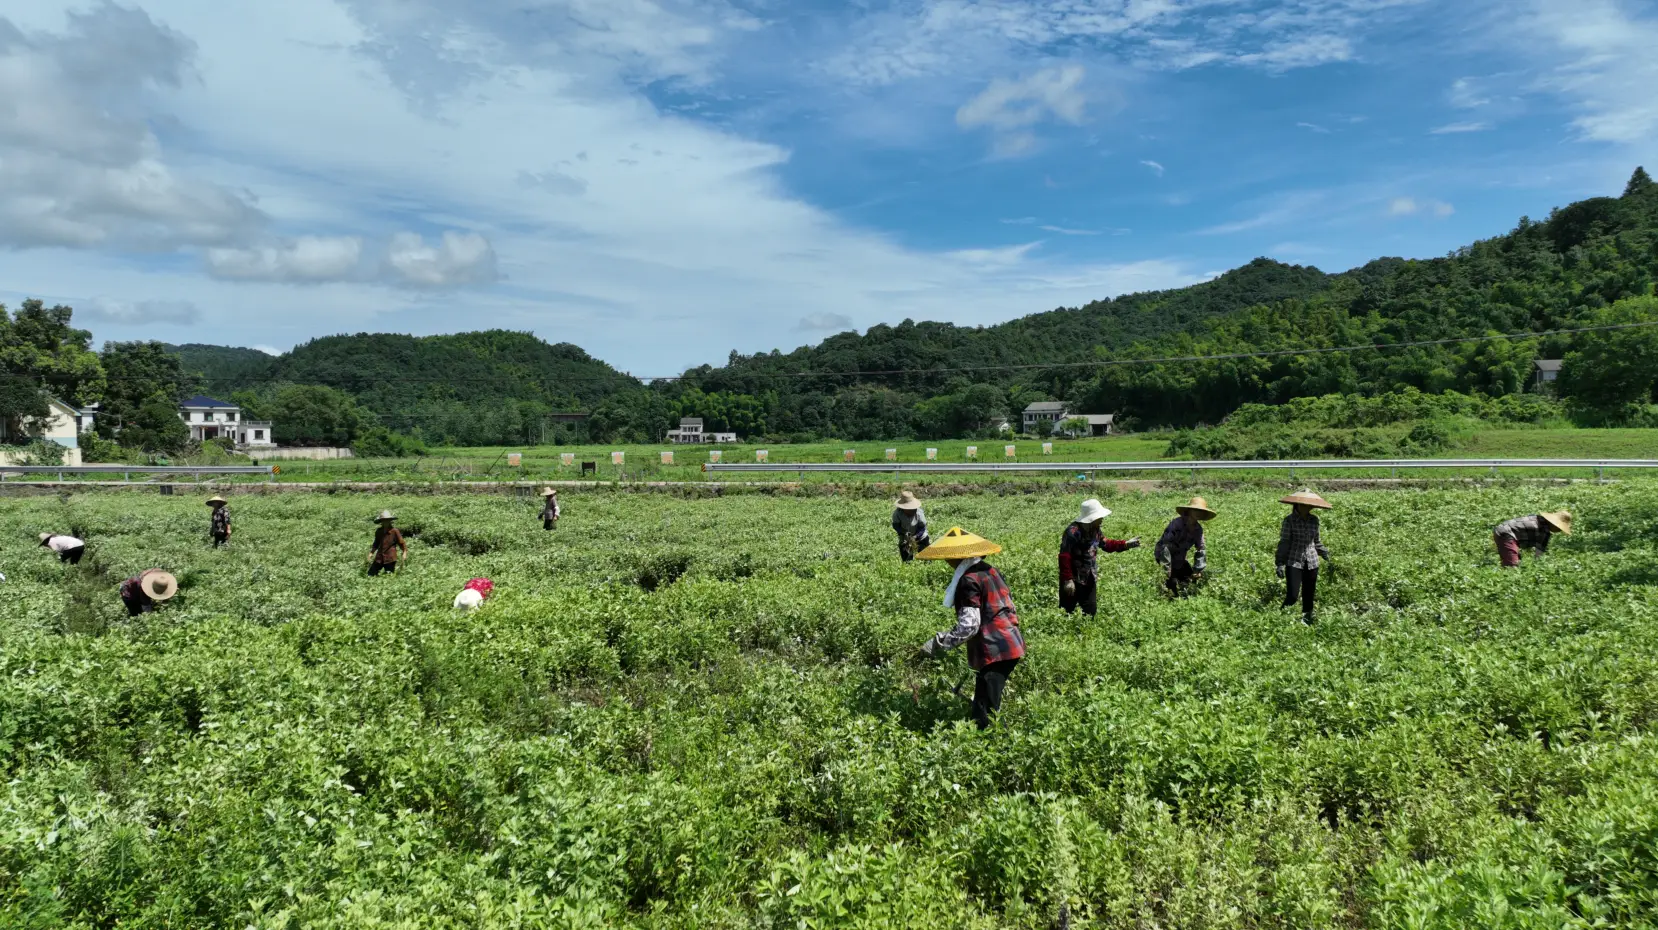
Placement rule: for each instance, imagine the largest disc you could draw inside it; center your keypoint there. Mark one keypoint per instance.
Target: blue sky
(664, 181)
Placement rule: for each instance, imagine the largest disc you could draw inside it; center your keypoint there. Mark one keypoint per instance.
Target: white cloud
(825, 323)
(1154, 166)
(1609, 68)
(1063, 231)
(1410, 206)
(140, 313)
(308, 259)
(80, 166)
(458, 258)
(1313, 127)
(1011, 109)
(1305, 52)
(1454, 128)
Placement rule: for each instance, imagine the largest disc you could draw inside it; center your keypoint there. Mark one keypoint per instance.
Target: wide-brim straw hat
(549, 492)
(1560, 520)
(45, 538)
(216, 500)
(908, 501)
(1092, 510)
(385, 516)
(958, 544)
(158, 585)
(1308, 498)
(1198, 508)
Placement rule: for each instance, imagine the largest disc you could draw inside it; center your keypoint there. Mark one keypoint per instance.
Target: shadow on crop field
(1632, 525)
(662, 569)
(919, 701)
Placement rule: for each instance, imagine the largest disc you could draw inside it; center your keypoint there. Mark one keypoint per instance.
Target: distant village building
(61, 425)
(690, 432)
(1046, 417)
(215, 419)
(1545, 372)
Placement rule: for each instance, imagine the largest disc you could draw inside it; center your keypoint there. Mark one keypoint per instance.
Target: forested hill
(480, 387)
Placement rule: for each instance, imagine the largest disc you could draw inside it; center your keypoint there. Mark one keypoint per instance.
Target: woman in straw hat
(389, 547)
(985, 618)
(1299, 550)
(220, 527)
(1529, 533)
(1079, 558)
(143, 591)
(910, 523)
(1184, 534)
(549, 509)
(68, 548)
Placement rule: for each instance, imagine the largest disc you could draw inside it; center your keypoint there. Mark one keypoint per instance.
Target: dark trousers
(219, 540)
(987, 690)
(1302, 584)
(376, 568)
(908, 546)
(138, 605)
(72, 556)
(547, 524)
(1087, 597)
(1180, 579)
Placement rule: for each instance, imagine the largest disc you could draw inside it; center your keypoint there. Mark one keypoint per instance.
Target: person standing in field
(219, 528)
(144, 591)
(910, 523)
(389, 548)
(1079, 558)
(985, 618)
(1300, 549)
(1184, 535)
(68, 548)
(550, 511)
(1531, 532)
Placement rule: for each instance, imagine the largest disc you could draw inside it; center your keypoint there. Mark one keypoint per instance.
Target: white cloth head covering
(1092, 510)
(950, 592)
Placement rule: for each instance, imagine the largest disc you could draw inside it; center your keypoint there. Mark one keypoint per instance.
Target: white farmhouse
(214, 419)
(62, 425)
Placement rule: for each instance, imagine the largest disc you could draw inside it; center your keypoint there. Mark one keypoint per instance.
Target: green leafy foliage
(673, 714)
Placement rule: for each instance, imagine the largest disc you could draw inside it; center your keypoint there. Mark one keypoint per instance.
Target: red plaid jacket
(1079, 553)
(998, 638)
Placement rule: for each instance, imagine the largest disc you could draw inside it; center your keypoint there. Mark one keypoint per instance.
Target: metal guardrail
(1086, 467)
(129, 470)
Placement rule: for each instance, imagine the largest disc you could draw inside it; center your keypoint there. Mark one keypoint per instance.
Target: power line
(1041, 366)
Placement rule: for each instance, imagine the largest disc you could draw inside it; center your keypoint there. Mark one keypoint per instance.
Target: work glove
(925, 652)
(1280, 571)
(1070, 589)
(1133, 543)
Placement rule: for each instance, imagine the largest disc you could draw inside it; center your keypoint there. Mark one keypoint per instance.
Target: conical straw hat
(1560, 520)
(1198, 508)
(385, 516)
(45, 538)
(549, 492)
(958, 544)
(1307, 497)
(908, 501)
(158, 585)
(216, 500)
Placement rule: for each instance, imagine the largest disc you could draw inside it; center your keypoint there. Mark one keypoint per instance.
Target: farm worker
(1078, 558)
(1300, 549)
(143, 591)
(389, 547)
(549, 509)
(68, 548)
(1529, 533)
(985, 618)
(220, 528)
(473, 595)
(910, 523)
(1184, 534)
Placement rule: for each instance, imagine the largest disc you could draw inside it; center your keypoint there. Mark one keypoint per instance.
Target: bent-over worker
(220, 527)
(389, 547)
(985, 618)
(1184, 534)
(910, 523)
(1079, 573)
(68, 548)
(550, 511)
(1531, 532)
(1299, 550)
(474, 594)
(143, 591)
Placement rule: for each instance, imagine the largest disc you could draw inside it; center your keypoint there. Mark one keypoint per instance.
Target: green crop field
(689, 711)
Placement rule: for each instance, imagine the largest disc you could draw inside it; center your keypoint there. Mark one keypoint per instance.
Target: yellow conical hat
(1560, 519)
(959, 544)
